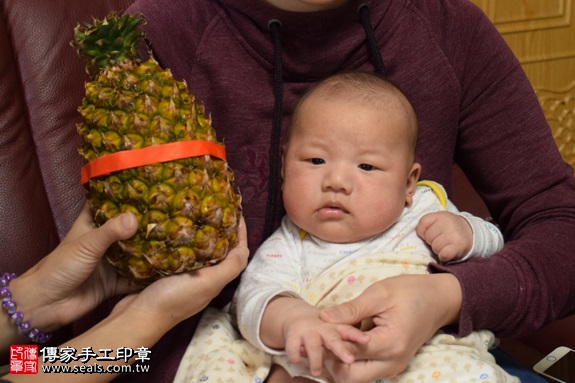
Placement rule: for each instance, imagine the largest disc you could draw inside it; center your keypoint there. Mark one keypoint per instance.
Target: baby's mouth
(333, 209)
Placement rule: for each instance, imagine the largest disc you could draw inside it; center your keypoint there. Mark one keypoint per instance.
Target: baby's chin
(339, 237)
(338, 230)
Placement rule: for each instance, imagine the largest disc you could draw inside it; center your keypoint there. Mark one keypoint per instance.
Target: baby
(356, 214)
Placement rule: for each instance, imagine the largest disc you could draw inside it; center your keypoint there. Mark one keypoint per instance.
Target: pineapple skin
(187, 210)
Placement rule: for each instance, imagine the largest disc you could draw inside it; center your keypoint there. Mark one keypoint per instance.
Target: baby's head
(349, 159)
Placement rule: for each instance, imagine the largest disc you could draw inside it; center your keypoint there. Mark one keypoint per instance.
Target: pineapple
(188, 212)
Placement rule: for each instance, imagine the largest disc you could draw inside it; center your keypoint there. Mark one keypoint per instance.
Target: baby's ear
(411, 185)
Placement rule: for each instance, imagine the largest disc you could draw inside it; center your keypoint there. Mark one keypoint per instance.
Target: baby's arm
(458, 236)
(292, 324)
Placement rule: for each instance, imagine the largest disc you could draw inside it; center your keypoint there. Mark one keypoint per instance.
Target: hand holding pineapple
(70, 281)
(181, 296)
(74, 279)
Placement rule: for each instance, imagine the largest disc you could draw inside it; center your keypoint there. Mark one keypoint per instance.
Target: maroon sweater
(475, 107)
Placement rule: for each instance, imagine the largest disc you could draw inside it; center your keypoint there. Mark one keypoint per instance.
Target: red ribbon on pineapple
(127, 159)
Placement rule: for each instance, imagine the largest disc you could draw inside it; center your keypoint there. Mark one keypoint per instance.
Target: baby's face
(348, 171)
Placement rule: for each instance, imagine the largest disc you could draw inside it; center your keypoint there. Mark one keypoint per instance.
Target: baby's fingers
(294, 348)
(315, 353)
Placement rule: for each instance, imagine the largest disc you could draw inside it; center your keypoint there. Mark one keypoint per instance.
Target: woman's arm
(138, 320)
(506, 149)
(70, 281)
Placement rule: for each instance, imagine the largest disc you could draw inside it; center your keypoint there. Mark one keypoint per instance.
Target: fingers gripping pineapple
(136, 113)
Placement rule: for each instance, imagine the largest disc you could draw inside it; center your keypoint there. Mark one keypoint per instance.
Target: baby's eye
(316, 161)
(366, 167)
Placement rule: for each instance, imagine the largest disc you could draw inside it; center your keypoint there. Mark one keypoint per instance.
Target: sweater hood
(305, 49)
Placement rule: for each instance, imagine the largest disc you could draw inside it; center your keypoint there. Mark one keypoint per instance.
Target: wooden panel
(559, 108)
(527, 15)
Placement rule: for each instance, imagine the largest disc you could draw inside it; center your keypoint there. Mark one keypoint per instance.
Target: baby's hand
(313, 338)
(449, 235)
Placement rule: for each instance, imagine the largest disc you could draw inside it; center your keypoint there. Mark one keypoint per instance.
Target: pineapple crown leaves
(109, 41)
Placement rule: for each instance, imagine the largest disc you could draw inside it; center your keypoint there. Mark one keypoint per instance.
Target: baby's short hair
(362, 87)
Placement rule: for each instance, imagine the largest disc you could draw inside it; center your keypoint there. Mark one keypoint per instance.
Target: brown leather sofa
(41, 86)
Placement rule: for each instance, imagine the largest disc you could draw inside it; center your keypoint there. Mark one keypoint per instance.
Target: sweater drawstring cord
(274, 166)
(363, 11)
